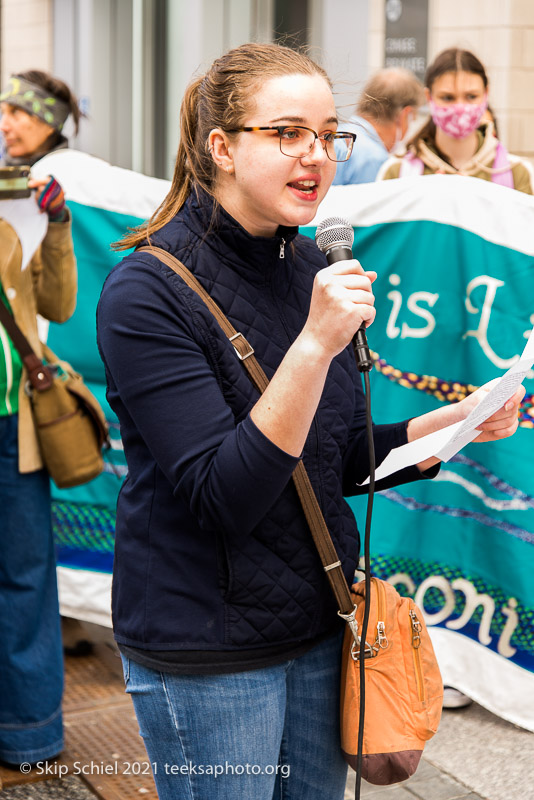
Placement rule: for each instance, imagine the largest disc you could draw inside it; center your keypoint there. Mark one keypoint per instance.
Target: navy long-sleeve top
(213, 553)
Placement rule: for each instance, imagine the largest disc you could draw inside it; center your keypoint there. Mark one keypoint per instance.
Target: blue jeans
(31, 654)
(266, 734)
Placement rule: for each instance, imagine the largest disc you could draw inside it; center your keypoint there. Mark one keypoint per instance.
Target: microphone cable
(367, 559)
(334, 237)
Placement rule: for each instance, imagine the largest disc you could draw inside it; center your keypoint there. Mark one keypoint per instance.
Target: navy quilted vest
(212, 548)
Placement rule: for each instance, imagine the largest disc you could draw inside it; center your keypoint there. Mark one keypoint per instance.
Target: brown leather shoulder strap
(314, 516)
(38, 375)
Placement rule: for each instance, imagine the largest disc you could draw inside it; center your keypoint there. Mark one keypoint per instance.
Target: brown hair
(57, 88)
(492, 118)
(451, 60)
(387, 92)
(219, 99)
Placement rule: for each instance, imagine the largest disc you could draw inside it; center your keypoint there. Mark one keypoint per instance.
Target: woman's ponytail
(185, 173)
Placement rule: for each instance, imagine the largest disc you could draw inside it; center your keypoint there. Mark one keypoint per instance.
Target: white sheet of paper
(414, 452)
(501, 390)
(445, 443)
(29, 223)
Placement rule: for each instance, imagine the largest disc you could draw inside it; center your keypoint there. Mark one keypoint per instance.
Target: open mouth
(308, 187)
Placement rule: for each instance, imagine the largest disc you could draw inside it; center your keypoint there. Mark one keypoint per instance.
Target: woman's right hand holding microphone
(342, 300)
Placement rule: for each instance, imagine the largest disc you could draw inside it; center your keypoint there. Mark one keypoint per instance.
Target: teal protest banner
(104, 201)
(455, 303)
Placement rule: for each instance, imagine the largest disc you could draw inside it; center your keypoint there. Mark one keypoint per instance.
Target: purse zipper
(416, 644)
(381, 638)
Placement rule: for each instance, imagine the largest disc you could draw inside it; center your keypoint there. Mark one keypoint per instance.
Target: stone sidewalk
(474, 756)
(429, 783)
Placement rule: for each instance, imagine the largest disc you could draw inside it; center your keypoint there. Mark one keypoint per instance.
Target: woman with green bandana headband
(34, 107)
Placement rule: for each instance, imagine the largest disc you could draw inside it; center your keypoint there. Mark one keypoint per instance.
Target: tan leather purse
(70, 425)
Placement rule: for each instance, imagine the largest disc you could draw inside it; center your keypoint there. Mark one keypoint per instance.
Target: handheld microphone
(334, 238)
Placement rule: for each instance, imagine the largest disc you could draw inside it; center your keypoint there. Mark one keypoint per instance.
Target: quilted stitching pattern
(277, 590)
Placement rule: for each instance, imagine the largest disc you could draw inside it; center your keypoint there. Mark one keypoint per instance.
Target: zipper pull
(381, 637)
(282, 248)
(416, 630)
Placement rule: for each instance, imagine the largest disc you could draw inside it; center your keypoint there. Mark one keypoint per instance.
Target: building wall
(211, 27)
(501, 34)
(26, 36)
(339, 39)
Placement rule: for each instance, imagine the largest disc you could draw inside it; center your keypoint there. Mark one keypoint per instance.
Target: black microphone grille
(334, 231)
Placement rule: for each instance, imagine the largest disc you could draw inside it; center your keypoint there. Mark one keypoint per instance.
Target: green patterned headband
(35, 100)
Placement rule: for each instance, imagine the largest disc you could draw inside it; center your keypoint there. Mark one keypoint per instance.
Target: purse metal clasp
(370, 650)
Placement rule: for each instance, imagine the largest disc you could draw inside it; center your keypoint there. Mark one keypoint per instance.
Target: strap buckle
(370, 649)
(242, 356)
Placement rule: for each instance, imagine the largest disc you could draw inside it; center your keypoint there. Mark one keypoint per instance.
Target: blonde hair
(220, 99)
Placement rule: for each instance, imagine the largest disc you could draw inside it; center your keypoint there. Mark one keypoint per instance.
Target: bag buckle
(370, 650)
(242, 356)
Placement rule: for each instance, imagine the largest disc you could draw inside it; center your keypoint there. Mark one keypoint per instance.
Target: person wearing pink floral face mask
(456, 139)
